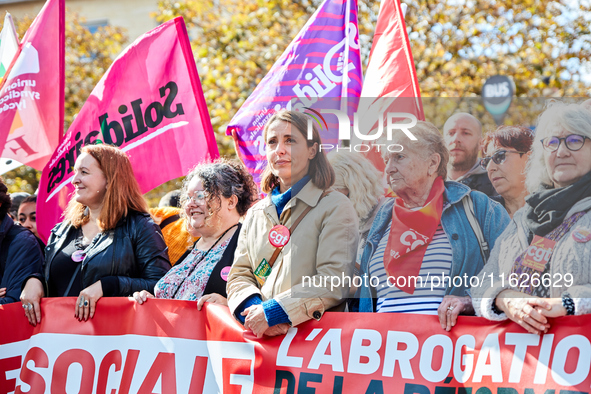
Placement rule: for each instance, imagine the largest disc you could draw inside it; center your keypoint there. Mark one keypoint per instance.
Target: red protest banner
(168, 346)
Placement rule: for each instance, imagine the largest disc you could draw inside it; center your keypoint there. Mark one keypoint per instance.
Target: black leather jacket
(133, 255)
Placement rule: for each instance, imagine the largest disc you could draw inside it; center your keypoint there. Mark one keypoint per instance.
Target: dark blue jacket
(23, 258)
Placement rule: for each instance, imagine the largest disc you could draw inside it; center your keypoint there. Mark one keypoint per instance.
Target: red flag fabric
(32, 95)
(150, 104)
(390, 83)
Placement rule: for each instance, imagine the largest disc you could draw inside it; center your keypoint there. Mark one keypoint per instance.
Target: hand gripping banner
(151, 105)
(168, 346)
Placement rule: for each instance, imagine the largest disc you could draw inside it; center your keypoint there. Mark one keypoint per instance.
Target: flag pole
(345, 80)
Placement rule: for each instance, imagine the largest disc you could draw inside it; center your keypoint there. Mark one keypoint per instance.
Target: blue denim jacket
(466, 256)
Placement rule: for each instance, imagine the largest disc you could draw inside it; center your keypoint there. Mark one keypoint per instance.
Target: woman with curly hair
(214, 198)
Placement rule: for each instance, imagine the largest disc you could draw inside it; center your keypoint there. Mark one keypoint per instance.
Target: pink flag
(150, 104)
(311, 68)
(391, 80)
(32, 95)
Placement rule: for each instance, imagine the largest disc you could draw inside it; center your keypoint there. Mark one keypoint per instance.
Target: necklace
(201, 259)
(80, 252)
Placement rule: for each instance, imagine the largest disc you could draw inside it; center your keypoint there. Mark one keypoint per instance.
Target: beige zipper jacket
(307, 277)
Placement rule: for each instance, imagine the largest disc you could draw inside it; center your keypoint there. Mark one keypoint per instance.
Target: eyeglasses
(498, 157)
(573, 142)
(197, 198)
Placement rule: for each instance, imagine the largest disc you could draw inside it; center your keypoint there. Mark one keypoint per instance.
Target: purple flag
(312, 67)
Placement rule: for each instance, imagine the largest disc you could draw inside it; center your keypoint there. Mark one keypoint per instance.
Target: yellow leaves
(236, 42)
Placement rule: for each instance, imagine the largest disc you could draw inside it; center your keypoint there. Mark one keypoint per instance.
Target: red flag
(151, 105)
(391, 80)
(32, 95)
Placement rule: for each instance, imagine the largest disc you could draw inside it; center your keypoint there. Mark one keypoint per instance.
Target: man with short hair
(463, 135)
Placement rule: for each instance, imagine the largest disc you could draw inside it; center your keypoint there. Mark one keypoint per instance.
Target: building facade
(133, 15)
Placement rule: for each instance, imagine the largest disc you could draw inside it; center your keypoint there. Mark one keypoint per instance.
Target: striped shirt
(436, 262)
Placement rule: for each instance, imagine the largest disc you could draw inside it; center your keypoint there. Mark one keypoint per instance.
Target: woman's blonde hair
(354, 172)
(122, 194)
(320, 171)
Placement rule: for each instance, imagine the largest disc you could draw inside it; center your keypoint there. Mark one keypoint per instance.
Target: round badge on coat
(582, 235)
(78, 256)
(224, 273)
(279, 236)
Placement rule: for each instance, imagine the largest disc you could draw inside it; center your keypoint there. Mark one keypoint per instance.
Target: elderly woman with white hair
(358, 179)
(425, 234)
(541, 263)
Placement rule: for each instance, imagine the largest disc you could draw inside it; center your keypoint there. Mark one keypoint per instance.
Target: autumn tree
(543, 46)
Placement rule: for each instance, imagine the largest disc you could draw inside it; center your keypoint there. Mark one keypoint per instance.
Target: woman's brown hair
(516, 137)
(320, 170)
(123, 192)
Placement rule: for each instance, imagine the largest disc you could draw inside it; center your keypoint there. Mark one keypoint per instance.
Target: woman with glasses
(506, 152)
(214, 197)
(544, 255)
(422, 239)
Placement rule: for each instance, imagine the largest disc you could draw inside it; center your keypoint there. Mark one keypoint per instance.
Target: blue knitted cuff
(254, 299)
(274, 313)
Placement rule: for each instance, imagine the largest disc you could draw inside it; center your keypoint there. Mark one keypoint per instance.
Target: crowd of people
(514, 226)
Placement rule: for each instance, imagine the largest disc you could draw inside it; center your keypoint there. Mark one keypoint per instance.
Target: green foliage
(235, 43)
(153, 196)
(22, 179)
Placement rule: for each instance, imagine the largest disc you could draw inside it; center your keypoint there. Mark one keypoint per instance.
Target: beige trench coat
(304, 277)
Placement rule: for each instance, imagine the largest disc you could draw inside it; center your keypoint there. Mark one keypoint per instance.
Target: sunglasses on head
(573, 142)
(498, 157)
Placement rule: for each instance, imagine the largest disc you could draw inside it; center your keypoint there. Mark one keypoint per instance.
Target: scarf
(547, 208)
(281, 199)
(410, 235)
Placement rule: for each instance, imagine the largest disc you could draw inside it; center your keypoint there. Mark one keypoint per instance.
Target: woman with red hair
(107, 245)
